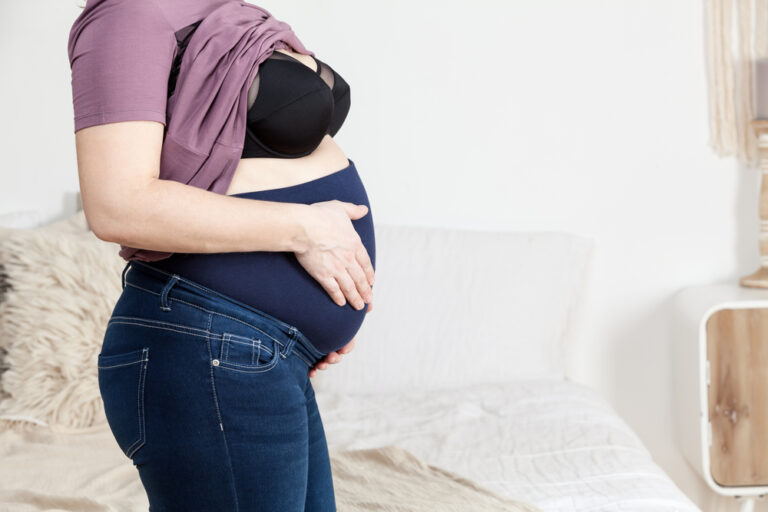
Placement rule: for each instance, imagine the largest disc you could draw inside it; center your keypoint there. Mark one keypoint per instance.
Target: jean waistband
(172, 286)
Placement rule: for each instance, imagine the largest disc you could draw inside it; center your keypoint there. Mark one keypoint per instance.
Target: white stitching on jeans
(208, 333)
(156, 322)
(293, 328)
(221, 422)
(224, 362)
(156, 327)
(191, 283)
(171, 299)
(140, 405)
(119, 365)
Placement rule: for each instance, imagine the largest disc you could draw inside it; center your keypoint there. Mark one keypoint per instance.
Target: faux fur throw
(392, 479)
(59, 285)
(87, 471)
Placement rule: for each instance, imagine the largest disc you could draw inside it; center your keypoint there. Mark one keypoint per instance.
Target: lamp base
(758, 279)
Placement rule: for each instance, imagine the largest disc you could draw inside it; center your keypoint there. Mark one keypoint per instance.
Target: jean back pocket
(121, 384)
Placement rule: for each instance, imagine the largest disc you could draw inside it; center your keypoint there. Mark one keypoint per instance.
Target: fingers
(361, 282)
(348, 347)
(352, 285)
(331, 287)
(364, 260)
(332, 357)
(349, 289)
(342, 288)
(356, 283)
(355, 211)
(328, 359)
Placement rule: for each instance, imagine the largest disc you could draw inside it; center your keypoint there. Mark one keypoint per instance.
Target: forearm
(169, 216)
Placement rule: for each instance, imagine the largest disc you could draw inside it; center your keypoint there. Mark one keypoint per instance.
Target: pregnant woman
(233, 297)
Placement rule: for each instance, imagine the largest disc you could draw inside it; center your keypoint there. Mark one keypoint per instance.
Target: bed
(552, 443)
(459, 378)
(463, 361)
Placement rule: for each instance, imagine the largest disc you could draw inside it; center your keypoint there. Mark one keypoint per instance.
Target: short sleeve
(120, 55)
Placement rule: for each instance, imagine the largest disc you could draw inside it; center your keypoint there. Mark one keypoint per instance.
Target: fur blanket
(58, 285)
(41, 470)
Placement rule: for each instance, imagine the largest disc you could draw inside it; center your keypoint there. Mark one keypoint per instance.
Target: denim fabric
(211, 400)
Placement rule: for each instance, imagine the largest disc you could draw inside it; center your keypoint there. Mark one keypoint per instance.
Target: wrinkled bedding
(86, 472)
(554, 443)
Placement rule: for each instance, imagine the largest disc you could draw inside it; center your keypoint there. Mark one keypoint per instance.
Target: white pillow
(454, 307)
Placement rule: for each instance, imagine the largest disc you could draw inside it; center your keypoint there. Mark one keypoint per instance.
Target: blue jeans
(211, 400)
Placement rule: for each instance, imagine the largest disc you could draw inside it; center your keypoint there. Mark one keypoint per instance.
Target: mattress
(553, 443)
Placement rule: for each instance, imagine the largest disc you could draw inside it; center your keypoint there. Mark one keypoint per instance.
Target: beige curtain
(736, 37)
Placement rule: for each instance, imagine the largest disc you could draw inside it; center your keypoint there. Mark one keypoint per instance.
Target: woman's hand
(335, 255)
(335, 357)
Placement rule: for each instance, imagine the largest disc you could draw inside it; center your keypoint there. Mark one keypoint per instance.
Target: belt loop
(291, 342)
(125, 270)
(164, 304)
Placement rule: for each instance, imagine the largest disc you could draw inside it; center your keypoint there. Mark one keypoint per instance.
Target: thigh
(262, 407)
(320, 495)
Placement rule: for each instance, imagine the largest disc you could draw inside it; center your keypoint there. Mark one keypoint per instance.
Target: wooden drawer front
(737, 350)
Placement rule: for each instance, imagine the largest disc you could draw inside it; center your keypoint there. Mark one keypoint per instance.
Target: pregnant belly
(275, 282)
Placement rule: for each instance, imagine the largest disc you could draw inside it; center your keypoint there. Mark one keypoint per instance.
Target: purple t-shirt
(121, 53)
(123, 60)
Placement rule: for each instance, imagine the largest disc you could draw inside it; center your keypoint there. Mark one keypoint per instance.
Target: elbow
(103, 226)
(112, 214)
(104, 220)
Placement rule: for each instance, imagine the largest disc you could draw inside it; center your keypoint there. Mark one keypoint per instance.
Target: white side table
(720, 364)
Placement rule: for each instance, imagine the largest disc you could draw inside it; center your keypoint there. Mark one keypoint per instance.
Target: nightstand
(720, 365)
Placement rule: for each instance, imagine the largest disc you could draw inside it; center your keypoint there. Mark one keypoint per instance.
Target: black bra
(292, 107)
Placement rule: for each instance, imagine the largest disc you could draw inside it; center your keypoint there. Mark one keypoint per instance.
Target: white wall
(587, 116)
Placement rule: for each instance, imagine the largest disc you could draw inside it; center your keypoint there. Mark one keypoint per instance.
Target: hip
(211, 399)
(160, 301)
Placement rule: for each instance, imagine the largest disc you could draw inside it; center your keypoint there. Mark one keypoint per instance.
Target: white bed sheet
(554, 443)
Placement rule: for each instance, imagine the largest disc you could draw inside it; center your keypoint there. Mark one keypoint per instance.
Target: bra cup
(341, 104)
(292, 111)
(279, 84)
(297, 127)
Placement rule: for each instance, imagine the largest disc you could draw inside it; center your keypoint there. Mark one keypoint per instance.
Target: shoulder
(120, 55)
(104, 20)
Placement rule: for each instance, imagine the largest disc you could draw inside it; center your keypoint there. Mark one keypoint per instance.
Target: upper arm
(115, 161)
(120, 54)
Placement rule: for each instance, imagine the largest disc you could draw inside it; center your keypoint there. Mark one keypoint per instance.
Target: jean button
(215, 362)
